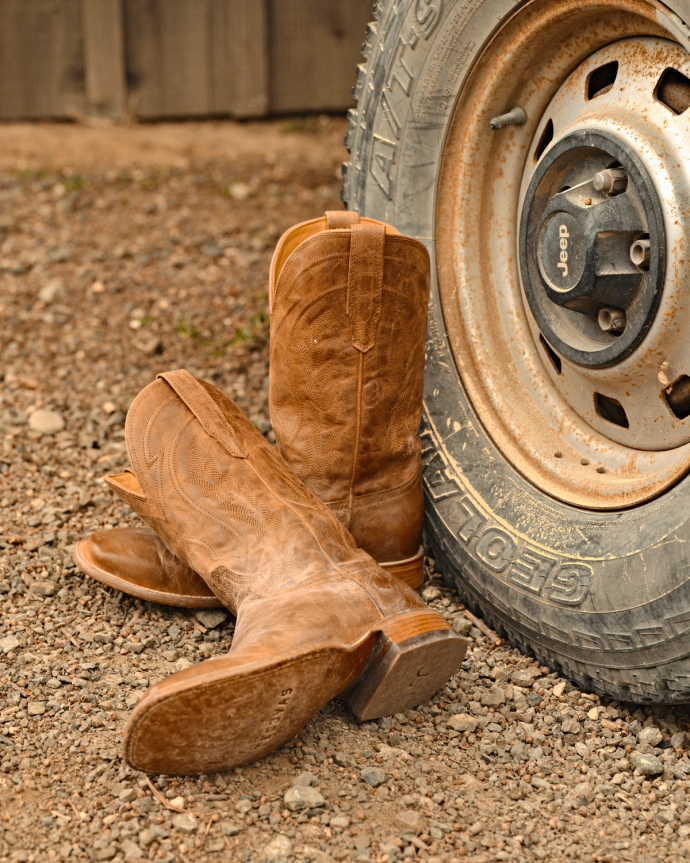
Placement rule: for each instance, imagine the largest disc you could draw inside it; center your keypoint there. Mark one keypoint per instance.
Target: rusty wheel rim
(560, 427)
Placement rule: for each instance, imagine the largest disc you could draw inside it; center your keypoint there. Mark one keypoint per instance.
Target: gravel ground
(126, 252)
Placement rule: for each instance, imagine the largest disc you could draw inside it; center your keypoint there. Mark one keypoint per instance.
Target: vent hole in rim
(602, 79)
(545, 140)
(673, 90)
(552, 355)
(678, 397)
(611, 410)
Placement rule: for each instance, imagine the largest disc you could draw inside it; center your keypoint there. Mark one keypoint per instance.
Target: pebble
(526, 676)
(411, 820)
(650, 735)
(46, 421)
(462, 722)
(229, 828)
(649, 765)
(9, 643)
(373, 776)
(461, 625)
(302, 797)
(279, 848)
(185, 822)
(211, 617)
(35, 708)
(304, 779)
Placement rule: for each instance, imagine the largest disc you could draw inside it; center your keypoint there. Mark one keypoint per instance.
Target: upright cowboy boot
(348, 303)
(316, 616)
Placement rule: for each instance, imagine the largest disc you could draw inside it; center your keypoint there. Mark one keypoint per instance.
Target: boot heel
(411, 571)
(414, 656)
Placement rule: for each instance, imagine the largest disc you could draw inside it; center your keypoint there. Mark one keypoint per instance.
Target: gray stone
(185, 822)
(43, 588)
(410, 819)
(304, 779)
(584, 793)
(302, 797)
(461, 625)
(649, 765)
(36, 708)
(462, 722)
(570, 726)
(46, 422)
(127, 795)
(526, 676)
(132, 850)
(679, 740)
(229, 828)
(650, 735)
(341, 821)
(9, 643)
(50, 290)
(243, 806)
(211, 617)
(277, 849)
(518, 751)
(493, 697)
(430, 593)
(373, 776)
(146, 837)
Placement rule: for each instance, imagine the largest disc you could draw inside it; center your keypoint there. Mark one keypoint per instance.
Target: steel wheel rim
(506, 370)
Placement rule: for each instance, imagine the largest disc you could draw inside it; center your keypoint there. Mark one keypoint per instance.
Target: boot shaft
(348, 323)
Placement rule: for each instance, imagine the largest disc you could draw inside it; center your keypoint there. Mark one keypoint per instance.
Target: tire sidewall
(603, 596)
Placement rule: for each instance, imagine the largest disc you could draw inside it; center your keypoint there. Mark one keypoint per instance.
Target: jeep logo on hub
(561, 252)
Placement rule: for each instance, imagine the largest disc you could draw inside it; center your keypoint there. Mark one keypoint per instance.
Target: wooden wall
(177, 58)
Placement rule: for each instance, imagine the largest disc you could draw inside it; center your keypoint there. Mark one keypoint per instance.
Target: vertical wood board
(104, 57)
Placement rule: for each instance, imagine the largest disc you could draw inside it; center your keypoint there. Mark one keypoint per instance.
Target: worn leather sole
(222, 713)
(184, 600)
(411, 571)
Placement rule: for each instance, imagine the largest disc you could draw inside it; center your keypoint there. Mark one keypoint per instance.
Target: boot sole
(410, 571)
(159, 596)
(217, 715)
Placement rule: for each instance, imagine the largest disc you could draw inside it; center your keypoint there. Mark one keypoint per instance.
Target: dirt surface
(125, 252)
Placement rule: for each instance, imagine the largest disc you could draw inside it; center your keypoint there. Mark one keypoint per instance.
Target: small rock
(36, 708)
(43, 588)
(229, 828)
(304, 780)
(581, 749)
(679, 740)
(493, 697)
(239, 191)
(584, 793)
(649, 765)
(177, 802)
(9, 643)
(301, 797)
(243, 805)
(570, 726)
(211, 617)
(430, 593)
(341, 821)
(650, 735)
(146, 837)
(132, 850)
(373, 776)
(461, 625)
(127, 795)
(518, 751)
(185, 822)
(279, 848)
(170, 655)
(462, 722)
(50, 290)
(410, 819)
(46, 422)
(559, 688)
(593, 713)
(526, 676)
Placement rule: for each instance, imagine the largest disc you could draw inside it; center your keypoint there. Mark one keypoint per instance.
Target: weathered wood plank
(41, 59)
(239, 56)
(167, 51)
(104, 57)
(314, 48)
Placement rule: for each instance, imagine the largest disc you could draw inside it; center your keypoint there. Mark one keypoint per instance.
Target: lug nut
(640, 253)
(611, 320)
(611, 181)
(516, 117)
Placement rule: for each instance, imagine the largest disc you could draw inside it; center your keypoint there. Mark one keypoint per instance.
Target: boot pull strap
(204, 409)
(340, 219)
(365, 282)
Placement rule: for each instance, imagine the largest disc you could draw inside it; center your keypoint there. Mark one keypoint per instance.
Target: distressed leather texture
(229, 507)
(348, 320)
(348, 324)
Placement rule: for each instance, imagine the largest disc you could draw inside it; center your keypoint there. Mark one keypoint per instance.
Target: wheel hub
(592, 248)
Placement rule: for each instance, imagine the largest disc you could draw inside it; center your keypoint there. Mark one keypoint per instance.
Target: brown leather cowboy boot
(316, 616)
(348, 303)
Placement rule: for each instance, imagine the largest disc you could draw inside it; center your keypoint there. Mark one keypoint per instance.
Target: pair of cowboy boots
(312, 549)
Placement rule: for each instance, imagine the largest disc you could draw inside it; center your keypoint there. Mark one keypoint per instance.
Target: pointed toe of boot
(135, 561)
